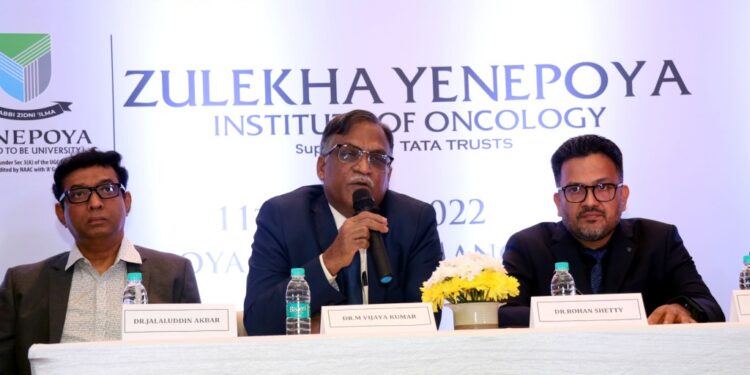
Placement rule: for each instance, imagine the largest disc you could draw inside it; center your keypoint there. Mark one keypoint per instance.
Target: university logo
(25, 64)
(25, 72)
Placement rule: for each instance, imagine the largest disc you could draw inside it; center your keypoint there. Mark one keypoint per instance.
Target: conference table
(720, 348)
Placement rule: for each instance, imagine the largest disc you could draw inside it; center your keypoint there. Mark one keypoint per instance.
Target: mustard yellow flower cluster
(489, 285)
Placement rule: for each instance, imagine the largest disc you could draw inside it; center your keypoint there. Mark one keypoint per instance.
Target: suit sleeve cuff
(695, 310)
(331, 278)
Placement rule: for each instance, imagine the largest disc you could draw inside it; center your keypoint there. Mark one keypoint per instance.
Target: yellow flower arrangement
(469, 278)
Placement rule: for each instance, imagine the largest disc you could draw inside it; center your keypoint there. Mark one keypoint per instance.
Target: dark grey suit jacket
(34, 300)
(643, 256)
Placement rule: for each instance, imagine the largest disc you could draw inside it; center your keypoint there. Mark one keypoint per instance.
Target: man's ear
(128, 200)
(320, 168)
(556, 198)
(60, 213)
(624, 194)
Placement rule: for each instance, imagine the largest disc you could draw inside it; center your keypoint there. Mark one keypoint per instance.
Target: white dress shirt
(95, 301)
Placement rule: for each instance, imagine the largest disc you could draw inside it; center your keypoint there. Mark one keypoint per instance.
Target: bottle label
(297, 310)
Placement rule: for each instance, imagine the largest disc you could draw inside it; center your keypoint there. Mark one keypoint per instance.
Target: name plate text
(178, 320)
(740, 311)
(395, 317)
(588, 310)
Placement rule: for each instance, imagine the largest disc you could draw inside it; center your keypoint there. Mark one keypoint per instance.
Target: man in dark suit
(77, 295)
(606, 254)
(315, 227)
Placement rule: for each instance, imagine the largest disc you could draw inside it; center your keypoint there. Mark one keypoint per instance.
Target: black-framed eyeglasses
(603, 192)
(351, 154)
(106, 190)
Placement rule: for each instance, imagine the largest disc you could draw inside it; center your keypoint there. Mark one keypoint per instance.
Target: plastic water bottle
(297, 304)
(562, 281)
(135, 292)
(745, 274)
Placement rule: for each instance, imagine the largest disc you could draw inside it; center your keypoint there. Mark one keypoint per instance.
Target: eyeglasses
(351, 154)
(577, 193)
(106, 190)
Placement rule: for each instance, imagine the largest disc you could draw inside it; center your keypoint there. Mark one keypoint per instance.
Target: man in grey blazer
(77, 295)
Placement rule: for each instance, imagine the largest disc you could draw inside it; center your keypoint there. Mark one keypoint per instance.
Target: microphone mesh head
(362, 200)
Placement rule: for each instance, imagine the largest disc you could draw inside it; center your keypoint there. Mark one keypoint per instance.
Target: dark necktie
(353, 283)
(596, 270)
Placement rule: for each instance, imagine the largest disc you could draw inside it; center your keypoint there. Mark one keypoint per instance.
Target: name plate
(740, 311)
(588, 310)
(393, 317)
(178, 320)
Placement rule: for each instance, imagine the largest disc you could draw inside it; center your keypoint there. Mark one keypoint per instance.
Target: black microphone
(363, 202)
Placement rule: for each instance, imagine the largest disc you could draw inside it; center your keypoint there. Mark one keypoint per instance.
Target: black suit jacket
(34, 300)
(295, 228)
(644, 256)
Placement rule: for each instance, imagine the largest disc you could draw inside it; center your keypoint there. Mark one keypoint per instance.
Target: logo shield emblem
(25, 65)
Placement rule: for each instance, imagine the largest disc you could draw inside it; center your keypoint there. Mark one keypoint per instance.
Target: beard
(590, 233)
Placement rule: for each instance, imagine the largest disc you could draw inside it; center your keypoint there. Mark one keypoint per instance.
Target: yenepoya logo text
(477, 91)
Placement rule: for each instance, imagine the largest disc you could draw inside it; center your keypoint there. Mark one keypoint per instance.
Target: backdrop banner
(218, 106)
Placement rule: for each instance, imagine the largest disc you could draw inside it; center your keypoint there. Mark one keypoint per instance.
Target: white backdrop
(212, 105)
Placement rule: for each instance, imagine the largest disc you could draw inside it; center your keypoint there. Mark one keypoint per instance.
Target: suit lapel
(622, 252)
(59, 290)
(565, 249)
(325, 226)
(325, 230)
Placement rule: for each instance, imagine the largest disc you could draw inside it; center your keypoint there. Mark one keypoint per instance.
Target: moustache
(592, 209)
(361, 180)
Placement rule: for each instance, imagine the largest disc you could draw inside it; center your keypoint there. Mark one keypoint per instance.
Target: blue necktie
(353, 283)
(596, 270)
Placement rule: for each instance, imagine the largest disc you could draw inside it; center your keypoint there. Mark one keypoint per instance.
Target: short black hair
(341, 124)
(585, 145)
(89, 158)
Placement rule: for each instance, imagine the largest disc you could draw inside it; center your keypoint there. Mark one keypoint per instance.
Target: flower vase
(474, 315)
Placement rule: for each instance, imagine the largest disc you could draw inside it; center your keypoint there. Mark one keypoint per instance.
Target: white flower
(466, 266)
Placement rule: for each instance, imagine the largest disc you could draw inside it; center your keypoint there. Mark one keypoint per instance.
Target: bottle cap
(135, 276)
(298, 272)
(561, 266)
(746, 259)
